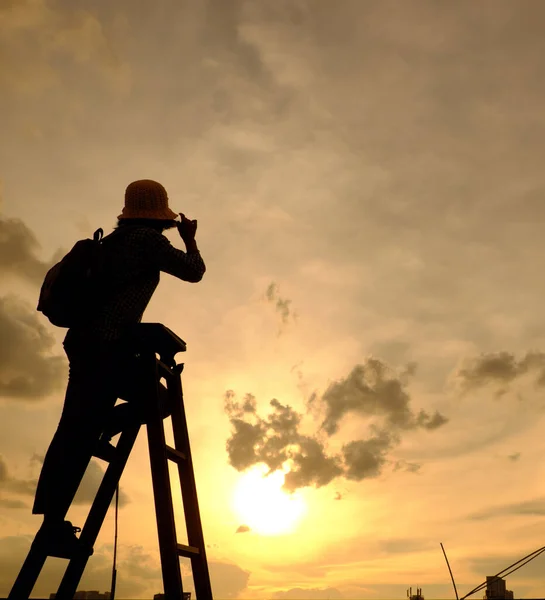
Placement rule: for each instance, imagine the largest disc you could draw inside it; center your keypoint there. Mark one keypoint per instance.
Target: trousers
(100, 373)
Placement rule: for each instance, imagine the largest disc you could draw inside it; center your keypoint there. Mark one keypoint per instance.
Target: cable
(483, 585)
(533, 555)
(114, 570)
(497, 576)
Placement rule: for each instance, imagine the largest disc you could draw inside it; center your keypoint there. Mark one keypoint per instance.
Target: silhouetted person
(102, 365)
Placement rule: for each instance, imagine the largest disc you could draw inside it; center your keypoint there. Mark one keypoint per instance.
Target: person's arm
(189, 265)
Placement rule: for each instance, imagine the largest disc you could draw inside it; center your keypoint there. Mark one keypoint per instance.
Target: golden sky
(368, 180)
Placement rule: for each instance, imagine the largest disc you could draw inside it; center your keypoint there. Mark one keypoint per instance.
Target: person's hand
(187, 228)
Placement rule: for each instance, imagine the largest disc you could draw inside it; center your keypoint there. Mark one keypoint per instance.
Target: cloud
(14, 486)
(529, 508)
(407, 466)
(227, 579)
(27, 487)
(138, 572)
(277, 441)
(139, 563)
(500, 369)
(281, 305)
(494, 563)
(88, 487)
(38, 34)
(369, 390)
(404, 545)
(18, 252)
(9, 503)
(308, 594)
(514, 457)
(311, 466)
(90, 483)
(365, 458)
(27, 368)
(242, 529)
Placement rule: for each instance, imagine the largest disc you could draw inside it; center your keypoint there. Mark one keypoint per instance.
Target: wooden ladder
(151, 339)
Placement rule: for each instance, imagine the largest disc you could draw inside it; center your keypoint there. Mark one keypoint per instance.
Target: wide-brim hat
(146, 199)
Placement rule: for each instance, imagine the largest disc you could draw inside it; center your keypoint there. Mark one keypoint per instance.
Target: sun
(262, 505)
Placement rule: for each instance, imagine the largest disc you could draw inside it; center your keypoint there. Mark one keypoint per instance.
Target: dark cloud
(366, 458)
(9, 503)
(27, 487)
(308, 594)
(494, 563)
(90, 483)
(274, 440)
(277, 439)
(97, 575)
(501, 369)
(514, 457)
(404, 545)
(139, 563)
(27, 368)
(139, 573)
(14, 486)
(407, 466)
(281, 305)
(18, 252)
(311, 466)
(529, 508)
(370, 390)
(242, 529)
(228, 580)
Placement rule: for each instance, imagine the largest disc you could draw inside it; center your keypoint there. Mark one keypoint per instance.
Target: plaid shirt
(135, 257)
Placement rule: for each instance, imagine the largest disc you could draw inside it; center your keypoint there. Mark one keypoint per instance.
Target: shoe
(60, 539)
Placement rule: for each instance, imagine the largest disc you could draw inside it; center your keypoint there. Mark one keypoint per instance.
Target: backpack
(71, 287)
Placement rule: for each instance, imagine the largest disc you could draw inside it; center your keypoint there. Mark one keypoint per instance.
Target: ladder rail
(97, 513)
(162, 491)
(199, 563)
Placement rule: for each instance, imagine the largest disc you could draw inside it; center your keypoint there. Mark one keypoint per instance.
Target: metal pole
(114, 569)
(451, 576)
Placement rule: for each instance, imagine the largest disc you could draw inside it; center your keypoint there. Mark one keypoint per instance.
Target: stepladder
(160, 396)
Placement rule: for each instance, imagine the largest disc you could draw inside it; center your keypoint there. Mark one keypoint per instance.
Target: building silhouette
(92, 595)
(496, 590)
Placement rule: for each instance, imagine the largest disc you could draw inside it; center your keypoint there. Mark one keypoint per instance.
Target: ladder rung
(187, 551)
(164, 369)
(175, 455)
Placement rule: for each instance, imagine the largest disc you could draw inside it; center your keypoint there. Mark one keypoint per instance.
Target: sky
(365, 361)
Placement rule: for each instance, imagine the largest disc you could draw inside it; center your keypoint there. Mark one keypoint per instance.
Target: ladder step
(175, 455)
(165, 370)
(187, 551)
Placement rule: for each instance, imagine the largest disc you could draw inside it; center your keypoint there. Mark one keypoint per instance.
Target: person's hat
(146, 199)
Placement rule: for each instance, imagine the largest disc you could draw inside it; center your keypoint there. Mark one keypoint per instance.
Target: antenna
(449, 570)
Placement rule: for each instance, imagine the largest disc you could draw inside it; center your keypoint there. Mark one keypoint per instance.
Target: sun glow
(262, 505)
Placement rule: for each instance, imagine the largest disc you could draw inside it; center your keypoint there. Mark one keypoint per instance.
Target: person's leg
(89, 396)
(129, 387)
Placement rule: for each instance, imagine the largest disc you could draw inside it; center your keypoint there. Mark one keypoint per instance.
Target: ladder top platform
(157, 338)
